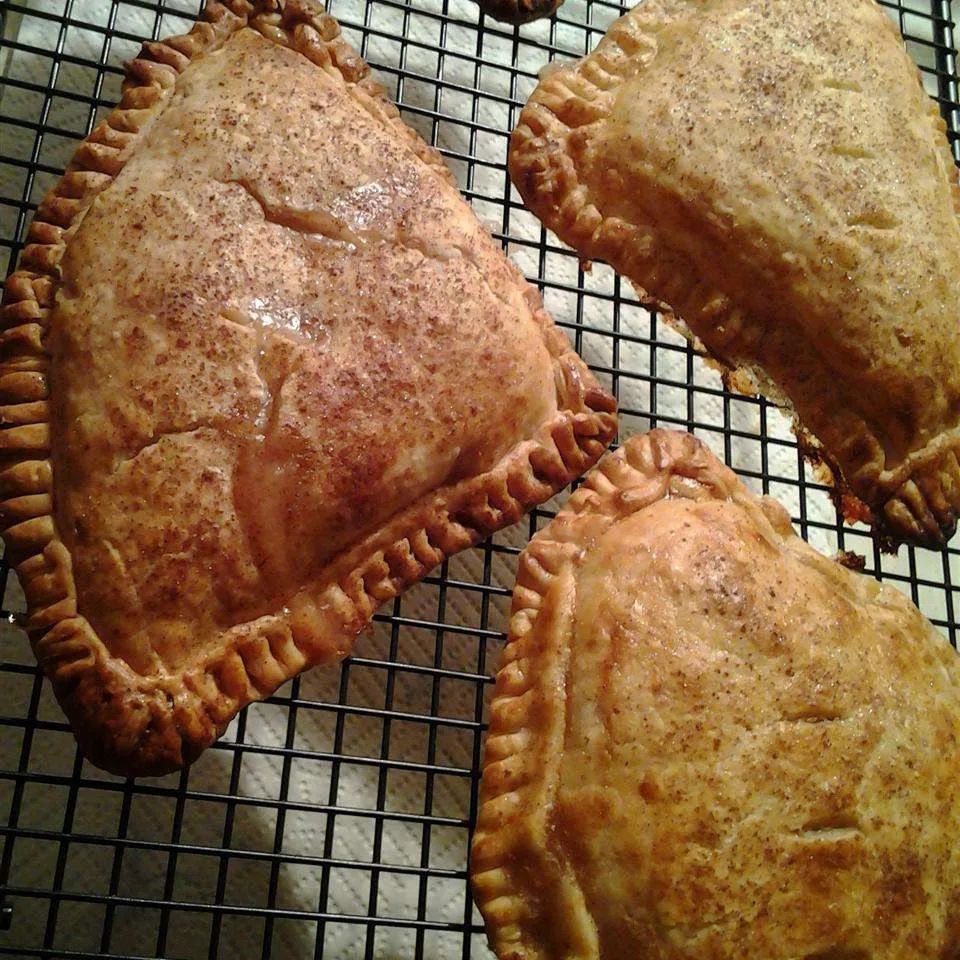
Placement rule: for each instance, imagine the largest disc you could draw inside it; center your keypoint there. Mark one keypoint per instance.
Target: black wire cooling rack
(334, 819)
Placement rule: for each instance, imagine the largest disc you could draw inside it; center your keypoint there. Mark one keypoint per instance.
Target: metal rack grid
(333, 820)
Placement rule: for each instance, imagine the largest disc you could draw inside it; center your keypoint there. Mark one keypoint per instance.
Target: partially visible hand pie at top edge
(263, 368)
(774, 172)
(519, 11)
(710, 742)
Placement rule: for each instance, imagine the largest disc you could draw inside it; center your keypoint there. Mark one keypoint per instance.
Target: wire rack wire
(333, 820)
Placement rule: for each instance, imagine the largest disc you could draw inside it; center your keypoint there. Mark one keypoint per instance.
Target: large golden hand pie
(263, 368)
(709, 742)
(773, 171)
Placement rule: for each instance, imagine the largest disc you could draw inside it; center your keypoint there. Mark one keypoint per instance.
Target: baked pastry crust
(775, 174)
(253, 386)
(707, 740)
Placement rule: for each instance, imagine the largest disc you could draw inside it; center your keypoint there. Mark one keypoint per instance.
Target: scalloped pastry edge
(147, 725)
(919, 499)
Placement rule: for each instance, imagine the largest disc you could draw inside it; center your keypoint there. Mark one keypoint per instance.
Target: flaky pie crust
(708, 741)
(863, 246)
(147, 722)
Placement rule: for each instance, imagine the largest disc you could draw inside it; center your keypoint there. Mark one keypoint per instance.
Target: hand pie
(262, 369)
(709, 742)
(519, 11)
(773, 171)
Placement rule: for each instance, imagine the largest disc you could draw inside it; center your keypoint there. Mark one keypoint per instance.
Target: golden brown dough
(262, 368)
(709, 742)
(773, 171)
